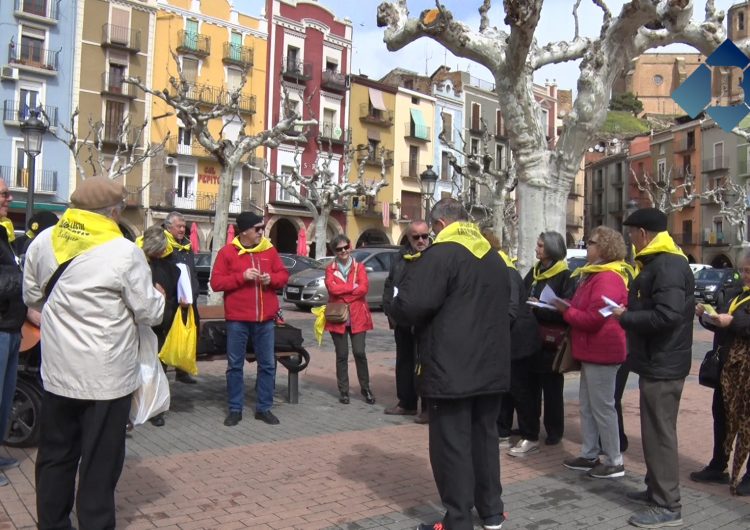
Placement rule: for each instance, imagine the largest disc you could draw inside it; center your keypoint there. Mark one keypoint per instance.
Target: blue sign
(694, 94)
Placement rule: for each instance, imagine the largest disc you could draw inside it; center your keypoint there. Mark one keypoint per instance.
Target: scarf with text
(79, 231)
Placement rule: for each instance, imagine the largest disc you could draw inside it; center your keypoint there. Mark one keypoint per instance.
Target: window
(719, 228)
(690, 139)
(447, 126)
(329, 124)
(119, 31)
(445, 166)
(235, 50)
(474, 146)
(413, 161)
(282, 194)
(499, 125)
(408, 83)
(686, 165)
(184, 141)
(236, 202)
(28, 98)
(32, 50)
(687, 232)
(414, 100)
(191, 35)
(114, 116)
(234, 79)
(25, 165)
(499, 157)
(740, 21)
(719, 155)
(185, 189)
(190, 69)
(661, 170)
(331, 65)
(476, 113)
(35, 7)
(374, 147)
(292, 59)
(115, 76)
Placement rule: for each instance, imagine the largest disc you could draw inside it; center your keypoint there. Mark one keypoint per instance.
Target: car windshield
(312, 263)
(709, 275)
(361, 255)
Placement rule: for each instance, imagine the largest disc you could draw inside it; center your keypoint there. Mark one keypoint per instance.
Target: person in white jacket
(89, 340)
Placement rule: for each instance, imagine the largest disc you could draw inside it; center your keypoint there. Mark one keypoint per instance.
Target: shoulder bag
(564, 361)
(709, 374)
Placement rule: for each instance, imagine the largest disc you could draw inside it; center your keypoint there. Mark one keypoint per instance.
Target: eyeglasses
(259, 228)
(420, 236)
(5, 194)
(342, 249)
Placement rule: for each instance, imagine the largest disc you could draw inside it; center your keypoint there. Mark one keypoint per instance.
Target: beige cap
(98, 192)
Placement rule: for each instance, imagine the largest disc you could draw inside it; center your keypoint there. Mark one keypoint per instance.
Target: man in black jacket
(418, 239)
(456, 294)
(12, 315)
(659, 326)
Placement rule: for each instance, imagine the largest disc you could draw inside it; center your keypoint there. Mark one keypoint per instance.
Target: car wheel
(720, 298)
(24, 415)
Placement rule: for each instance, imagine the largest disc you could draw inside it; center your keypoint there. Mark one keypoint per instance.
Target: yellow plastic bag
(179, 347)
(320, 322)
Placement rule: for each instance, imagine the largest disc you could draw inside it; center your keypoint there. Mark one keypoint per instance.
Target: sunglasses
(259, 228)
(5, 194)
(342, 249)
(420, 236)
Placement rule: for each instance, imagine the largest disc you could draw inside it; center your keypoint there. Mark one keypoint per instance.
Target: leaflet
(609, 308)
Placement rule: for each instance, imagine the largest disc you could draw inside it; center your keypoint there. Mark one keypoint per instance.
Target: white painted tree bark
(544, 175)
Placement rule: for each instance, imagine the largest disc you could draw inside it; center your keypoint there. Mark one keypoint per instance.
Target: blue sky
(371, 57)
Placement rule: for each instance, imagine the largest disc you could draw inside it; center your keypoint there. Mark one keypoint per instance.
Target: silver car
(307, 288)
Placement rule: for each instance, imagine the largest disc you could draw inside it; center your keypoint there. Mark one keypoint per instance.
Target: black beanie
(247, 220)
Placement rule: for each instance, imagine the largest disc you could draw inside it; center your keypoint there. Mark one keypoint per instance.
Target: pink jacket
(340, 290)
(596, 339)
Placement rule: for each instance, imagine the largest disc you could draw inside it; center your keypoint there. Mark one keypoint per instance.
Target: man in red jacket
(249, 271)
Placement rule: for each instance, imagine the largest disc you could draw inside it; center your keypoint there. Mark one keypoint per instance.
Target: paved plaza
(352, 467)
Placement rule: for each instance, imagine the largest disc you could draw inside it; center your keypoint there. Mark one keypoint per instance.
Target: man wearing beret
(249, 271)
(659, 326)
(93, 288)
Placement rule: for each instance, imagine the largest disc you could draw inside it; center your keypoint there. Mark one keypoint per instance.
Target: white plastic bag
(152, 396)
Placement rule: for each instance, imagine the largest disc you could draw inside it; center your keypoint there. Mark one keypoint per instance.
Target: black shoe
(710, 476)
(233, 418)
(184, 377)
(552, 440)
(369, 398)
(267, 417)
(158, 420)
(743, 488)
(344, 398)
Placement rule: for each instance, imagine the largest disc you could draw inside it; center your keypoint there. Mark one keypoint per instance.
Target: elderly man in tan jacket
(89, 351)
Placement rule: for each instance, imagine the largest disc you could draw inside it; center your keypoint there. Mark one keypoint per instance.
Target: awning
(373, 135)
(50, 206)
(420, 127)
(376, 98)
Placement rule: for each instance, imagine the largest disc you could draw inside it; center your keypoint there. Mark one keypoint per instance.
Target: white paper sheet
(549, 296)
(184, 287)
(608, 309)
(541, 305)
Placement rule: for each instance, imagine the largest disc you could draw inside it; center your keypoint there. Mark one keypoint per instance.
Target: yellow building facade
(215, 46)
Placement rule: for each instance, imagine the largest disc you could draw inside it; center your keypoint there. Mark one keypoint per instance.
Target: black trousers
(465, 457)
(87, 437)
(523, 399)
(341, 346)
(406, 382)
(621, 380)
(550, 385)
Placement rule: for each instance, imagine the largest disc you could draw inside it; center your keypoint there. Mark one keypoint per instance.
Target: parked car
(295, 263)
(697, 267)
(715, 286)
(307, 288)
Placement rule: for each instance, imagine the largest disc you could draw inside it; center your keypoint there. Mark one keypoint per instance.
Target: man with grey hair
(182, 252)
(456, 294)
(11, 319)
(417, 239)
(93, 288)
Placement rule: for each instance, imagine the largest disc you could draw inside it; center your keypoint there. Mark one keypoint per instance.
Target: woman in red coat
(598, 341)
(346, 281)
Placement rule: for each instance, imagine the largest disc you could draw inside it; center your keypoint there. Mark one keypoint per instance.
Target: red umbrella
(302, 242)
(230, 233)
(195, 242)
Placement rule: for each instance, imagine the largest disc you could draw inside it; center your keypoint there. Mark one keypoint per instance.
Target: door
(191, 34)
(27, 100)
(236, 47)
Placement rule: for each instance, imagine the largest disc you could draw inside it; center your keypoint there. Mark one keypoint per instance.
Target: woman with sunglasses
(346, 281)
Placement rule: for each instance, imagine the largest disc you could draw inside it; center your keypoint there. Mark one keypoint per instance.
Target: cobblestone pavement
(329, 465)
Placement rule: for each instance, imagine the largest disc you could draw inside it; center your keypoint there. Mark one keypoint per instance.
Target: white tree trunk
(221, 222)
(321, 225)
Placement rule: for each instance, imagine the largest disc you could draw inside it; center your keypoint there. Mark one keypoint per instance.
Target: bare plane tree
(513, 55)
(732, 201)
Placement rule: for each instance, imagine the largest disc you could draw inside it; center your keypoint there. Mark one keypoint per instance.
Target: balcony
(684, 145)
(134, 197)
(476, 127)
(113, 85)
(573, 220)
(685, 239)
(412, 131)
(193, 43)
(297, 71)
(121, 38)
(111, 135)
(371, 115)
(15, 113)
(377, 159)
(245, 104)
(715, 164)
(17, 179)
(715, 239)
(237, 54)
(173, 147)
(33, 58)
(205, 94)
(333, 80)
(333, 133)
(44, 11)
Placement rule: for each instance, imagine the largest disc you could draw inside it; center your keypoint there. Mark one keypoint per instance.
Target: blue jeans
(261, 333)
(9, 344)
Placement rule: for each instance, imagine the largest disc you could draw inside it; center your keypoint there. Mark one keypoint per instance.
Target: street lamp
(33, 129)
(427, 182)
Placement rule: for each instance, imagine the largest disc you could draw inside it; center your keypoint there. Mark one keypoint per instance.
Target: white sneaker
(523, 448)
(504, 442)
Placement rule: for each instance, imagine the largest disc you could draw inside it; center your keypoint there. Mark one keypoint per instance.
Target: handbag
(552, 335)
(709, 374)
(337, 312)
(564, 361)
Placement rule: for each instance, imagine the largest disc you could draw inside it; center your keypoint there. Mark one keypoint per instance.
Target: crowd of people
(477, 345)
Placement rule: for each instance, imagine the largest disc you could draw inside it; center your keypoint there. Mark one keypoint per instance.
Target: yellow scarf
(264, 244)
(507, 260)
(167, 250)
(738, 300)
(8, 225)
(624, 269)
(79, 231)
(662, 243)
(467, 235)
(553, 271)
(172, 242)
